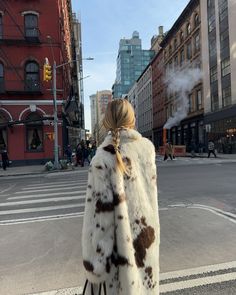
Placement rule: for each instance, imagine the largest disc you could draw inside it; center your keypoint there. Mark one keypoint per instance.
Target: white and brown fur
(121, 236)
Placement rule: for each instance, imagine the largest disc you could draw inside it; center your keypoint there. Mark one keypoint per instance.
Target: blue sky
(105, 22)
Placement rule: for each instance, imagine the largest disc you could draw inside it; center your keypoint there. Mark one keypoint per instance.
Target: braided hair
(119, 115)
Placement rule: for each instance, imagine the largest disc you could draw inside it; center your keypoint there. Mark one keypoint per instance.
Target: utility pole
(56, 150)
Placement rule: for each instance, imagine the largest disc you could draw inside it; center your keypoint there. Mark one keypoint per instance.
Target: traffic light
(47, 72)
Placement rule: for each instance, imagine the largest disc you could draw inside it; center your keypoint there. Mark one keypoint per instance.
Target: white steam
(180, 83)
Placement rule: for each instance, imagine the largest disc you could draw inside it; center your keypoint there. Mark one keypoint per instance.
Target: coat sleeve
(98, 224)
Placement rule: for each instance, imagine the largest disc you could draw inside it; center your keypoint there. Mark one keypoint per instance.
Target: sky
(105, 22)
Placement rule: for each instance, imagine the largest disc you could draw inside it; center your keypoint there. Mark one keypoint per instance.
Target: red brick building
(29, 32)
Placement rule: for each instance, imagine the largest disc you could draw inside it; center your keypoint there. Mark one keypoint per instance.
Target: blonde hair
(119, 115)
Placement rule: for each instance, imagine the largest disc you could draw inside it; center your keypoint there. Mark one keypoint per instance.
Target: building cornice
(28, 102)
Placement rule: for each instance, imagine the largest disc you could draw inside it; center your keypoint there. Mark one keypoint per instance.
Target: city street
(41, 221)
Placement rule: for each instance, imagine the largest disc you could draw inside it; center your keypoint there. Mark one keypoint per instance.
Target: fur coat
(120, 237)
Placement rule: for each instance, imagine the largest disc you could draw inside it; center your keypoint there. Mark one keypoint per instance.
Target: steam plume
(181, 82)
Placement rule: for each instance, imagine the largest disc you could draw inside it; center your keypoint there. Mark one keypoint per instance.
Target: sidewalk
(31, 170)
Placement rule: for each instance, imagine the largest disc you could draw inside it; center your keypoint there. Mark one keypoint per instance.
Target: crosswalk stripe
(53, 185)
(48, 200)
(48, 195)
(51, 189)
(197, 282)
(40, 209)
(197, 270)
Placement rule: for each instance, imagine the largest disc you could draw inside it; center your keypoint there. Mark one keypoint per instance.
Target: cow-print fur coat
(120, 238)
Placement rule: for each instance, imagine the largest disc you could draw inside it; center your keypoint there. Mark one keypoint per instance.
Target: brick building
(27, 36)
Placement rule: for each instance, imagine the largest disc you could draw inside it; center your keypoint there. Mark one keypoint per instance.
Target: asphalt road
(41, 219)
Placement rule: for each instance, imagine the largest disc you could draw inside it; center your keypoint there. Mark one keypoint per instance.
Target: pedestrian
(93, 150)
(79, 155)
(120, 237)
(86, 154)
(193, 148)
(5, 159)
(211, 148)
(168, 151)
(68, 153)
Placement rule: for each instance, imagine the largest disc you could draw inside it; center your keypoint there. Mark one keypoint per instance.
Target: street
(41, 221)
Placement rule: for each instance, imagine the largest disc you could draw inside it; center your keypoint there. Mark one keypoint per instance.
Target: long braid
(116, 142)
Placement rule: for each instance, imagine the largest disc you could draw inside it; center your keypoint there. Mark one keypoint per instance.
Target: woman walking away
(120, 238)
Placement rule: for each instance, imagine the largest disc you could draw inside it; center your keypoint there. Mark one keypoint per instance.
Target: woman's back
(121, 226)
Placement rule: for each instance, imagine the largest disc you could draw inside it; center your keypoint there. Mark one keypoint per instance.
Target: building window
(1, 78)
(189, 50)
(197, 43)
(225, 67)
(1, 27)
(181, 37)
(191, 103)
(196, 20)
(175, 44)
(31, 26)
(226, 96)
(213, 74)
(181, 57)
(211, 23)
(224, 39)
(223, 9)
(199, 100)
(34, 133)
(32, 82)
(170, 50)
(188, 29)
(214, 102)
(176, 61)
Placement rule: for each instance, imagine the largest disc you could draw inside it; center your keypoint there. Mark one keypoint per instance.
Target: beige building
(132, 98)
(99, 102)
(219, 67)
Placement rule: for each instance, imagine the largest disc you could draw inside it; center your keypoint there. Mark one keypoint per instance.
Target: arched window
(175, 43)
(32, 82)
(181, 37)
(34, 133)
(188, 29)
(196, 20)
(1, 78)
(31, 25)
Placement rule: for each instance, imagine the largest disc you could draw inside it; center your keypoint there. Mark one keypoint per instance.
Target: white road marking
(40, 209)
(197, 282)
(7, 189)
(48, 200)
(50, 189)
(197, 270)
(55, 184)
(40, 219)
(47, 195)
(67, 291)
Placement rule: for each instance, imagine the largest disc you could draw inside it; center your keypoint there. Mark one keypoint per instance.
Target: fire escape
(14, 79)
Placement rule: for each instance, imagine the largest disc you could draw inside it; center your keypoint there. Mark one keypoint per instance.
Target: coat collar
(125, 135)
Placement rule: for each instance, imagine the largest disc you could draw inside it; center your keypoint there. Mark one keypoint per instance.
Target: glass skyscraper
(131, 61)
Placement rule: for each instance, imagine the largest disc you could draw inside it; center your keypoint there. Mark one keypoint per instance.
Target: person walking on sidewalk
(211, 149)
(168, 151)
(120, 236)
(5, 159)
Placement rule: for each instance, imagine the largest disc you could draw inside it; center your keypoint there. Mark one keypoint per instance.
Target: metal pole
(56, 157)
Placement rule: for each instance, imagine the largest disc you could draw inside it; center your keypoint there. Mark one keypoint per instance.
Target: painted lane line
(67, 291)
(40, 209)
(48, 195)
(55, 185)
(197, 282)
(40, 219)
(48, 200)
(50, 189)
(7, 189)
(197, 270)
